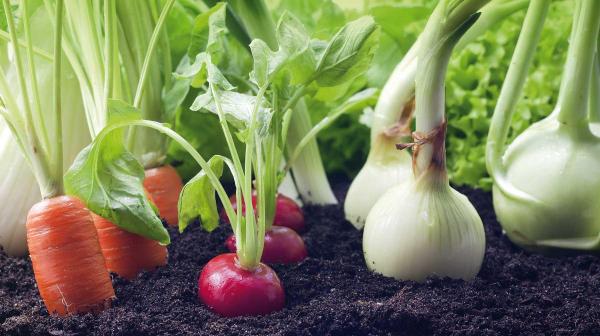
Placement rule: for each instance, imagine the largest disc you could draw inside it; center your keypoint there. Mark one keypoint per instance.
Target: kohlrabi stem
(39, 161)
(41, 53)
(35, 91)
(56, 82)
(594, 107)
(513, 85)
(150, 52)
(574, 90)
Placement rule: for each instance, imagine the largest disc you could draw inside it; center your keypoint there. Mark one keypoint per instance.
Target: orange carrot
(127, 254)
(164, 184)
(67, 262)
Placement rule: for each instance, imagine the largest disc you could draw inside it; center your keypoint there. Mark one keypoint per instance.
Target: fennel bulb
(18, 185)
(422, 227)
(546, 184)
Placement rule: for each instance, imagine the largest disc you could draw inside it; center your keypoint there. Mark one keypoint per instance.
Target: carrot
(125, 253)
(164, 185)
(67, 262)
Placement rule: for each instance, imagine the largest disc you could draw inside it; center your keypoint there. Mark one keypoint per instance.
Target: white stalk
(18, 185)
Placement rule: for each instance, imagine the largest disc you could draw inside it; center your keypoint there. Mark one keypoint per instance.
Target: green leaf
(201, 71)
(349, 53)
(237, 108)
(173, 97)
(295, 56)
(197, 199)
(208, 31)
(109, 180)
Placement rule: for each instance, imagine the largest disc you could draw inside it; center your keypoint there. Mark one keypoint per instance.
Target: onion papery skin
(380, 173)
(419, 229)
(560, 168)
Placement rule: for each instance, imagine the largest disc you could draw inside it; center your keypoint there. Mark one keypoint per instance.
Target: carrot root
(67, 261)
(125, 253)
(164, 185)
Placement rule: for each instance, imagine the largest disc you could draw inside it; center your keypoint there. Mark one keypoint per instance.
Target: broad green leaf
(295, 57)
(109, 180)
(173, 97)
(197, 199)
(321, 17)
(237, 108)
(349, 53)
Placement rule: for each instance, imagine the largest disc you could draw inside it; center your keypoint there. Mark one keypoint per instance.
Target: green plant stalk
(439, 38)
(40, 52)
(150, 52)
(511, 91)
(309, 173)
(594, 105)
(399, 89)
(49, 185)
(35, 92)
(575, 86)
(56, 83)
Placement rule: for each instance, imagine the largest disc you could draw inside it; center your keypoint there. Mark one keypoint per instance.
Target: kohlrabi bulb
(385, 167)
(424, 228)
(559, 166)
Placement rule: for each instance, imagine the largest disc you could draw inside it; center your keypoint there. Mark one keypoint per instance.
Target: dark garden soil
(332, 293)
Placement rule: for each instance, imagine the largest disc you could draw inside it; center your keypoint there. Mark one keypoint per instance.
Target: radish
(282, 246)
(287, 212)
(230, 290)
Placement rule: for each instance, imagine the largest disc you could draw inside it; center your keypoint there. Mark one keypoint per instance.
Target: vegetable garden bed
(333, 293)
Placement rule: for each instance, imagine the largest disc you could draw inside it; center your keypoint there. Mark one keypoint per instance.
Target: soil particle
(332, 293)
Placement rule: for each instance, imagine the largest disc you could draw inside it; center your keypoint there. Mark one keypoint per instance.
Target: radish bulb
(231, 290)
(282, 246)
(546, 183)
(422, 227)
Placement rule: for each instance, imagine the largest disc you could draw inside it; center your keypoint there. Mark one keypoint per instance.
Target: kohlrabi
(547, 181)
(422, 227)
(392, 120)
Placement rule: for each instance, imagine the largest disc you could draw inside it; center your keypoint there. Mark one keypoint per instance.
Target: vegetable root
(67, 261)
(164, 185)
(125, 253)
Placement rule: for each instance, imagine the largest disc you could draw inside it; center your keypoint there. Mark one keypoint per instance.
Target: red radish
(287, 212)
(230, 290)
(282, 246)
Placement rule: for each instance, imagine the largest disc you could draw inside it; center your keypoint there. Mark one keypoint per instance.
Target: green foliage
(197, 199)
(109, 180)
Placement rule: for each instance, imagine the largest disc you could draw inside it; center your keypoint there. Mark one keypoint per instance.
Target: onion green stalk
(422, 227)
(546, 183)
(33, 136)
(385, 166)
